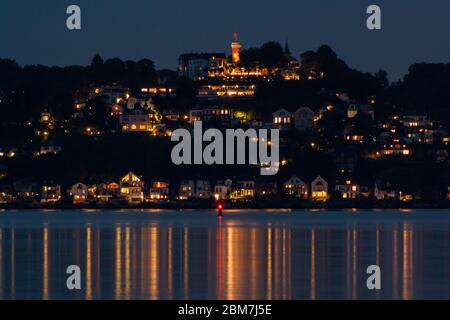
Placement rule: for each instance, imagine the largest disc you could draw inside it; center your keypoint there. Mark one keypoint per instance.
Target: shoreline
(210, 205)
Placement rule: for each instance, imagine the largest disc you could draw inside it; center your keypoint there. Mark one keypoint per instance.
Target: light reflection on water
(255, 255)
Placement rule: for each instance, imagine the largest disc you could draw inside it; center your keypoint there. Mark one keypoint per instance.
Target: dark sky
(33, 32)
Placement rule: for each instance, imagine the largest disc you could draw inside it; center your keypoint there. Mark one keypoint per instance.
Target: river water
(247, 254)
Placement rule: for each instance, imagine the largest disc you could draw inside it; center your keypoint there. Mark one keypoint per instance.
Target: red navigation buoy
(219, 210)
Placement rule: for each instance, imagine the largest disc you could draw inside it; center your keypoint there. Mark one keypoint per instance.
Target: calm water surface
(155, 254)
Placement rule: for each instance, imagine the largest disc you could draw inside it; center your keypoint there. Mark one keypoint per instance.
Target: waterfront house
(319, 189)
(266, 187)
(350, 189)
(132, 188)
(159, 191)
(78, 192)
(295, 187)
(202, 189)
(108, 191)
(381, 193)
(50, 193)
(243, 190)
(222, 189)
(25, 190)
(186, 190)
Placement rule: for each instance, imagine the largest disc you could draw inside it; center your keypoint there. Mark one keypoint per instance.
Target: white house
(222, 189)
(132, 188)
(319, 189)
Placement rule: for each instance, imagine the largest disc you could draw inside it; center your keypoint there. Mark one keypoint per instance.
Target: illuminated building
(139, 120)
(381, 193)
(186, 190)
(215, 113)
(50, 149)
(282, 118)
(78, 192)
(355, 109)
(159, 91)
(108, 191)
(46, 118)
(295, 187)
(350, 189)
(202, 189)
(159, 191)
(212, 92)
(222, 189)
(354, 138)
(319, 189)
(114, 94)
(116, 110)
(25, 190)
(412, 121)
(197, 66)
(395, 147)
(50, 193)
(132, 188)
(243, 190)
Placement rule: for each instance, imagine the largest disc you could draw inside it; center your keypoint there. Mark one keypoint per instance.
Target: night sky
(34, 32)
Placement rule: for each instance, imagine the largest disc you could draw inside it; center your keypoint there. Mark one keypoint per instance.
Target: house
(46, 118)
(222, 189)
(171, 115)
(6, 197)
(113, 94)
(214, 92)
(282, 118)
(395, 147)
(186, 190)
(159, 191)
(319, 189)
(266, 188)
(138, 120)
(223, 115)
(50, 193)
(381, 193)
(25, 189)
(243, 190)
(304, 119)
(159, 91)
(295, 187)
(355, 109)
(50, 149)
(350, 189)
(416, 121)
(197, 66)
(202, 189)
(346, 160)
(78, 192)
(132, 188)
(108, 191)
